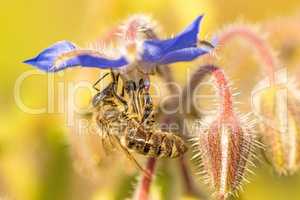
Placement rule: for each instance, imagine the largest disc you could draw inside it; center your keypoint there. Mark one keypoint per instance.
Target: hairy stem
(166, 74)
(143, 191)
(220, 81)
(259, 43)
(223, 90)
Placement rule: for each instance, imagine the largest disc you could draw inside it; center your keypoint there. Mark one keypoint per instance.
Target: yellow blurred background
(35, 158)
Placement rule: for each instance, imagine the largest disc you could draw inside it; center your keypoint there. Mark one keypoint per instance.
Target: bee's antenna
(99, 80)
(206, 43)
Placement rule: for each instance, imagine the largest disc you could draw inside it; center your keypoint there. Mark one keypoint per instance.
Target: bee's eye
(130, 144)
(96, 99)
(130, 86)
(141, 83)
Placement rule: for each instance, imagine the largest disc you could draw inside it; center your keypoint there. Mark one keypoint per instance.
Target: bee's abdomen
(172, 146)
(155, 144)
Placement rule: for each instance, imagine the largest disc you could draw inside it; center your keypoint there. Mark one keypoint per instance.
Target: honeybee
(127, 120)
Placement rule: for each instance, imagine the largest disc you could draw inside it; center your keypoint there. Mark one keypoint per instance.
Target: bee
(127, 120)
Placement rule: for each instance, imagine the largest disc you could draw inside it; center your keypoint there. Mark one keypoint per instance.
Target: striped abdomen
(155, 144)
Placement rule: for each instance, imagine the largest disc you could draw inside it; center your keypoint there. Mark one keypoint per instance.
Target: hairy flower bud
(224, 145)
(278, 108)
(226, 150)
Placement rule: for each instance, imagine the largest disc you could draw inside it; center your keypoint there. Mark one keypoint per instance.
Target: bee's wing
(127, 153)
(108, 143)
(91, 151)
(85, 147)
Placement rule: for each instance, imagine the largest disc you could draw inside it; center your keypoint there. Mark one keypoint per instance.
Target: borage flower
(137, 47)
(148, 50)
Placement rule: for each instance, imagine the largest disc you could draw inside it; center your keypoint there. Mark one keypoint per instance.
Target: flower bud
(224, 145)
(226, 148)
(278, 109)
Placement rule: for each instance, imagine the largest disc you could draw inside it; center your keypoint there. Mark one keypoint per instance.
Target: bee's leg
(145, 100)
(121, 100)
(148, 108)
(98, 81)
(114, 91)
(111, 143)
(123, 92)
(103, 142)
(104, 135)
(129, 155)
(103, 139)
(130, 87)
(140, 92)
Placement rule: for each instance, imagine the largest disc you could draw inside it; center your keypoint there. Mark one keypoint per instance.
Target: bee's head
(102, 95)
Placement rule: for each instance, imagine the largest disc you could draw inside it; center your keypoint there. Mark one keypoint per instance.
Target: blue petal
(87, 60)
(154, 50)
(47, 58)
(181, 55)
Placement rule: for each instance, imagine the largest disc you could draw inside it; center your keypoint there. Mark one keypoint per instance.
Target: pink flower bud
(225, 145)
